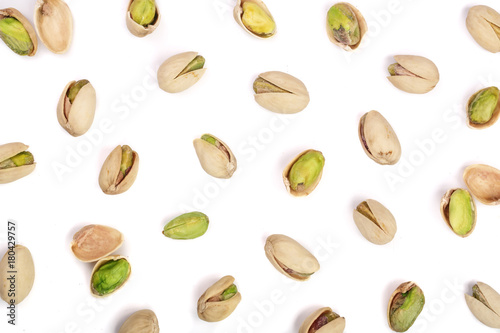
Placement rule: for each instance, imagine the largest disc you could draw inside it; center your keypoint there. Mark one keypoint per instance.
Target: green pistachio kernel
(344, 24)
(483, 106)
(261, 86)
(322, 320)
(461, 212)
(197, 63)
(110, 276)
(75, 89)
(23, 158)
(256, 20)
(306, 170)
(405, 309)
(187, 226)
(17, 38)
(143, 12)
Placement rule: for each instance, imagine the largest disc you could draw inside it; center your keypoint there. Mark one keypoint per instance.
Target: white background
(356, 277)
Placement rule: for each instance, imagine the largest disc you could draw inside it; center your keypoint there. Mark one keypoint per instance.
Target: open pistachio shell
(211, 308)
(413, 74)
(483, 24)
(363, 28)
(14, 13)
(111, 178)
(215, 156)
(77, 117)
(98, 265)
(375, 222)
(266, 17)
(290, 258)
(54, 24)
(94, 242)
(462, 216)
(483, 181)
(378, 139)
(312, 171)
(172, 76)
(485, 304)
(280, 92)
(24, 276)
(323, 320)
(140, 30)
(142, 321)
(14, 173)
(405, 305)
(486, 104)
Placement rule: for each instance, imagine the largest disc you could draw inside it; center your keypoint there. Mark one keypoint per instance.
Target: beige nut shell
(238, 12)
(379, 233)
(139, 30)
(426, 71)
(101, 262)
(168, 72)
(54, 24)
(483, 181)
(213, 160)
(12, 12)
(445, 203)
(286, 172)
(11, 174)
(335, 326)
(484, 314)
(493, 119)
(217, 311)
(142, 321)
(82, 111)
(111, 168)
(363, 28)
(25, 276)
(94, 242)
(478, 22)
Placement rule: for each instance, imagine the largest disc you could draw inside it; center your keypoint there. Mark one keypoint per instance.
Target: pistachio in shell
(15, 162)
(94, 242)
(413, 74)
(254, 17)
(375, 222)
(187, 226)
(24, 276)
(290, 258)
(143, 17)
(142, 321)
(76, 107)
(345, 26)
(405, 305)
(378, 139)
(219, 301)
(323, 320)
(459, 211)
(54, 24)
(215, 156)
(109, 274)
(181, 71)
(119, 170)
(17, 32)
(485, 304)
(280, 92)
(303, 173)
(483, 108)
(483, 181)
(483, 24)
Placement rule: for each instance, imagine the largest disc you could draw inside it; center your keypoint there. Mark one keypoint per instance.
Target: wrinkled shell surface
(217, 311)
(492, 121)
(445, 202)
(426, 70)
(335, 326)
(378, 233)
(94, 242)
(101, 262)
(12, 12)
(54, 24)
(238, 11)
(286, 172)
(478, 22)
(483, 181)
(25, 276)
(213, 160)
(172, 67)
(11, 174)
(82, 112)
(110, 170)
(484, 314)
(142, 321)
(139, 30)
(363, 28)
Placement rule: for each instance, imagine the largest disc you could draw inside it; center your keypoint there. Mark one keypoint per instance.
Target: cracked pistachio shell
(262, 25)
(483, 108)
(25, 276)
(168, 73)
(307, 167)
(280, 92)
(486, 307)
(405, 305)
(413, 74)
(375, 222)
(142, 321)
(14, 13)
(215, 157)
(212, 311)
(483, 181)
(290, 258)
(94, 242)
(378, 139)
(110, 180)
(483, 24)
(54, 24)
(139, 30)
(11, 174)
(351, 10)
(459, 211)
(323, 320)
(102, 262)
(77, 117)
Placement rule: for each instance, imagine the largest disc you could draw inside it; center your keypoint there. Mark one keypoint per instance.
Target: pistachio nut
(187, 226)
(24, 276)
(181, 71)
(54, 24)
(483, 181)
(375, 222)
(483, 24)
(413, 74)
(15, 162)
(459, 211)
(109, 274)
(119, 170)
(17, 32)
(345, 26)
(215, 156)
(405, 305)
(483, 108)
(280, 92)
(323, 320)
(142, 321)
(485, 304)
(76, 107)
(303, 173)
(378, 139)
(143, 17)
(94, 242)
(290, 258)
(254, 17)
(219, 301)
